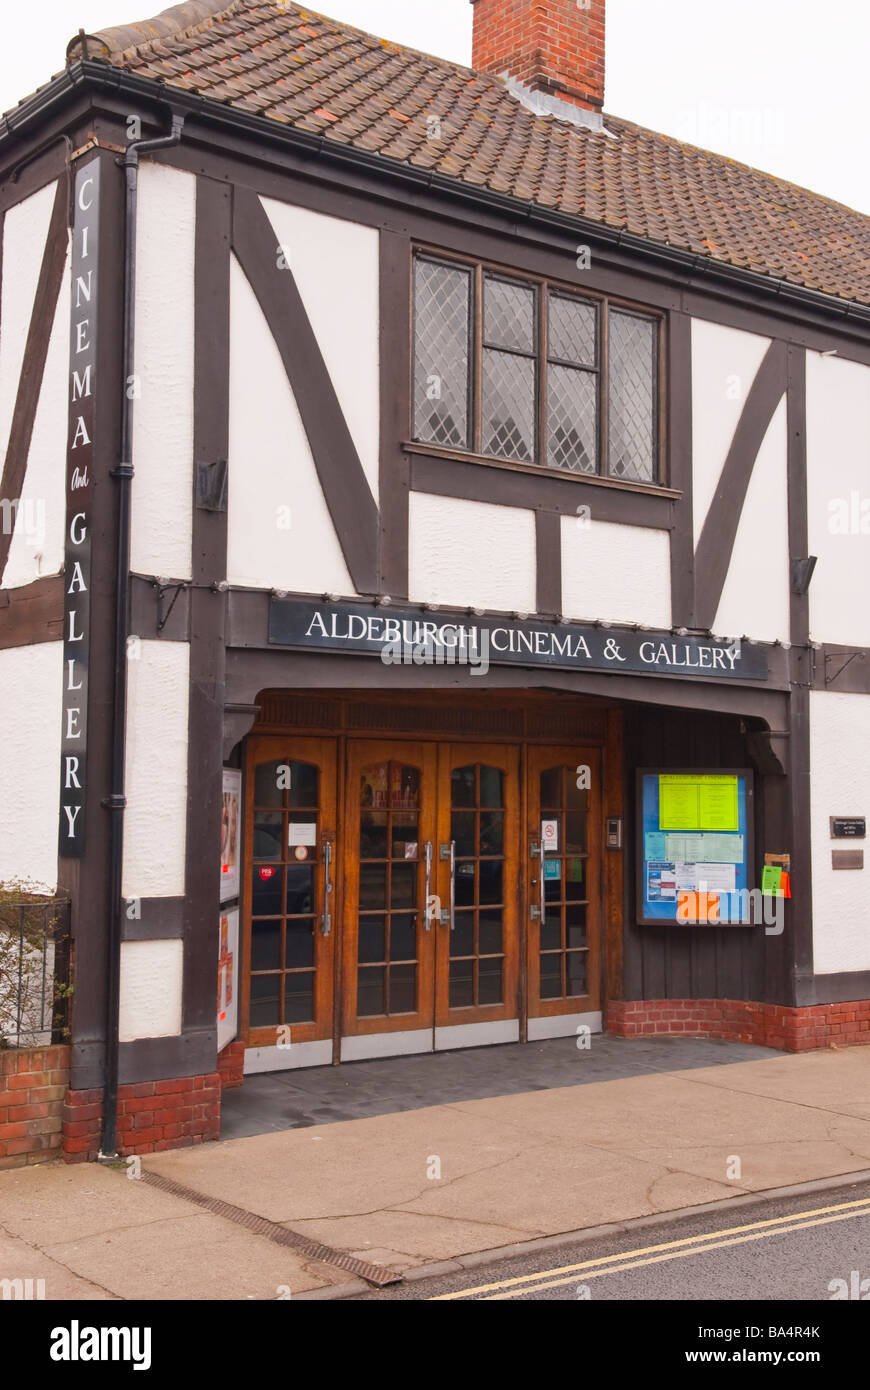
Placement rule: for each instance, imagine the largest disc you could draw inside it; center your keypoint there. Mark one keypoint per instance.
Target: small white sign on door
(303, 833)
(549, 835)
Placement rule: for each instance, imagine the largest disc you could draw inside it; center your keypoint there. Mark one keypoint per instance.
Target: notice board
(694, 835)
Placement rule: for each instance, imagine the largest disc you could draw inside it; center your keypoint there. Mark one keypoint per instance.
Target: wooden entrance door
(288, 896)
(388, 868)
(564, 790)
(478, 861)
(430, 867)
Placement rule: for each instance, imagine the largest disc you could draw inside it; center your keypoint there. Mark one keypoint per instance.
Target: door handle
(427, 855)
(448, 852)
(538, 911)
(326, 915)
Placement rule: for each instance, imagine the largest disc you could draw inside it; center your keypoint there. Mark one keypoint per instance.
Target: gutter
(218, 114)
(116, 801)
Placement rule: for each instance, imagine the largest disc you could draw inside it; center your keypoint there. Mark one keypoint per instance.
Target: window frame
(543, 287)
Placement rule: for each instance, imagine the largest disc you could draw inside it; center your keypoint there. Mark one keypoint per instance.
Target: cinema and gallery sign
(79, 492)
(411, 637)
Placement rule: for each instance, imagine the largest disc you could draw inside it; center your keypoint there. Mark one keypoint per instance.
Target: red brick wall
(231, 1065)
(152, 1116)
(770, 1025)
(549, 45)
(33, 1082)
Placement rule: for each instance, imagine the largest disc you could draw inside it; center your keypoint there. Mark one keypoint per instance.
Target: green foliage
(30, 925)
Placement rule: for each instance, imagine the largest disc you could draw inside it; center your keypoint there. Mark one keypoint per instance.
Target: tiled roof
(287, 64)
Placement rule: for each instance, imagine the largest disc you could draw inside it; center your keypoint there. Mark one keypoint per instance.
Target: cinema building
(436, 589)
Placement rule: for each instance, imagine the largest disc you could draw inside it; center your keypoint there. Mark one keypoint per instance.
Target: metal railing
(34, 971)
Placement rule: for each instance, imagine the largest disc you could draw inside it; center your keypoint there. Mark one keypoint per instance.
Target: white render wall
(755, 599)
(31, 680)
(37, 540)
(838, 487)
(839, 786)
(471, 554)
(335, 265)
(615, 573)
(162, 503)
(155, 823)
(280, 533)
(151, 978)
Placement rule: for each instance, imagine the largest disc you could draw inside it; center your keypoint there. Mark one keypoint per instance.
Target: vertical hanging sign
(79, 492)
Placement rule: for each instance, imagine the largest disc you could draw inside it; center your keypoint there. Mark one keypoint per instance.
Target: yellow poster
(718, 801)
(678, 803)
(700, 802)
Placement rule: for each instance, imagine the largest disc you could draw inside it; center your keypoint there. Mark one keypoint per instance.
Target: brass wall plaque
(847, 858)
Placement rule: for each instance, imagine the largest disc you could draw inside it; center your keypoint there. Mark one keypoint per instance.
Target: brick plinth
(152, 1116)
(231, 1065)
(33, 1082)
(769, 1025)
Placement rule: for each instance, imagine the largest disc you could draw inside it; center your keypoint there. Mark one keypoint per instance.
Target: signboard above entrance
(413, 637)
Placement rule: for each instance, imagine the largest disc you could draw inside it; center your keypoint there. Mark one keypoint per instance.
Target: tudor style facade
(457, 500)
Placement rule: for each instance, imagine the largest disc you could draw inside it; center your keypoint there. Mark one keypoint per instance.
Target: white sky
(781, 84)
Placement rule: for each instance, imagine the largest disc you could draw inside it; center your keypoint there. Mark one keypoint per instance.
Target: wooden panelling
(504, 717)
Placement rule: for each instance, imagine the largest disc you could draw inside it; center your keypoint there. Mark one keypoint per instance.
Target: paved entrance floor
(385, 1086)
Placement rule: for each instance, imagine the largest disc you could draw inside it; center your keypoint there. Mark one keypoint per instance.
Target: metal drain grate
(373, 1274)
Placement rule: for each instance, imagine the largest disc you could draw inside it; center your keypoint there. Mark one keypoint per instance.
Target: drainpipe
(116, 801)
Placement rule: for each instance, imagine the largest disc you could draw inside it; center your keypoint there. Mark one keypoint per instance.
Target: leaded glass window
(442, 317)
(534, 374)
(508, 380)
(572, 384)
(632, 369)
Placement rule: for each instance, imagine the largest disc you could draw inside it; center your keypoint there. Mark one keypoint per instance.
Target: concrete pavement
(412, 1189)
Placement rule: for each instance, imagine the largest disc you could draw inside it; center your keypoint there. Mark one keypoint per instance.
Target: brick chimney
(551, 46)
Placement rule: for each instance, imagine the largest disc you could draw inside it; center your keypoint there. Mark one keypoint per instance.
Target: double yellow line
(657, 1254)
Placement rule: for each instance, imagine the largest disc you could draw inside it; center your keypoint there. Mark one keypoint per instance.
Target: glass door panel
(564, 797)
(387, 861)
(478, 874)
(290, 800)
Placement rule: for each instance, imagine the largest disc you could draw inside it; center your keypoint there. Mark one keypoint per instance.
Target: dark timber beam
(32, 613)
(716, 542)
(207, 607)
(548, 551)
(35, 353)
(679, 416)
(345, 487)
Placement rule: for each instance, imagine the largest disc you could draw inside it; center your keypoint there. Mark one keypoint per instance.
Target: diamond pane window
(572, 331)
(509, 316)
(508, 406)
(572, 415)
(631, 417)
(525, 371)
(442, 316)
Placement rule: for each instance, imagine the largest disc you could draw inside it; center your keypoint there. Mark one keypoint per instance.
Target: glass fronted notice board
(694, 846)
